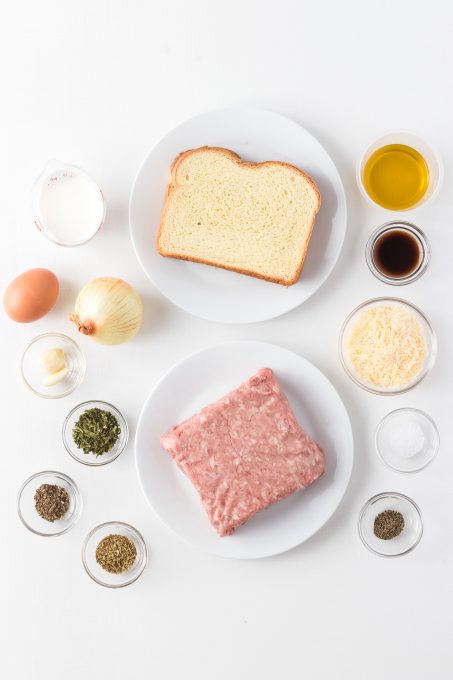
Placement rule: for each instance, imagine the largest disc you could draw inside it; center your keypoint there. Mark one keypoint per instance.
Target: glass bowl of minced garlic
(387, 345)
(52, 365)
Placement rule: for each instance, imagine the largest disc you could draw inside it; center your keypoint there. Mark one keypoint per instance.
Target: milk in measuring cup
(68, 205)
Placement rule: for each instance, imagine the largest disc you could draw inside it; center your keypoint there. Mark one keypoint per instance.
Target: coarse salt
(406, 439)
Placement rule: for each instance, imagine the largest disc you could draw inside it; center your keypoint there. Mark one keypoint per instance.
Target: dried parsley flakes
(51, 501)
(116, 553)
(96, 431)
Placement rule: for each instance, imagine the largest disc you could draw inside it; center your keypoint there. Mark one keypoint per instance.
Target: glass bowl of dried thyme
(49, 503)
(390, 524)
(95, 433)
(114, 554)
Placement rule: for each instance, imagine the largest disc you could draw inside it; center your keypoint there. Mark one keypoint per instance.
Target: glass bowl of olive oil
(400, 171)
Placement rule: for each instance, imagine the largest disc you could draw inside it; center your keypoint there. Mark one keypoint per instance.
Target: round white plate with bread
(249, 198)
(201, 379)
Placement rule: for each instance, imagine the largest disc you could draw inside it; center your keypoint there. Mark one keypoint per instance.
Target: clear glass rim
(140, 539)
(398, 225)
(417, 135)
(423, 373)
(79, 352)
(407, 409)
(76, 495)
(390, 494)
(93, 403)
(41, 228)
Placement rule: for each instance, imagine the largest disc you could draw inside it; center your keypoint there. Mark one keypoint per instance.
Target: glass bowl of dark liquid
(397, 253)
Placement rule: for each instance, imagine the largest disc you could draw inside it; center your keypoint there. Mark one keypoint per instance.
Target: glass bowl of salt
(407, 440)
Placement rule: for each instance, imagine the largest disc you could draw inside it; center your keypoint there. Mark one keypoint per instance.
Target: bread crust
(173, 184)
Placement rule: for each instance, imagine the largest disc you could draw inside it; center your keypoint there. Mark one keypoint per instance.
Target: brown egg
(31, 295)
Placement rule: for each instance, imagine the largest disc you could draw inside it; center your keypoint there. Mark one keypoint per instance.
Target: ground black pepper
(388, 524)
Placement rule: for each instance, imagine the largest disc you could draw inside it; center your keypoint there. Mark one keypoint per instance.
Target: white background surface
(96, 83)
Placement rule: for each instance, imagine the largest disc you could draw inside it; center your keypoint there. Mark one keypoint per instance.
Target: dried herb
(51, 501)
(388, 524)
(116, 553)
(96, 431)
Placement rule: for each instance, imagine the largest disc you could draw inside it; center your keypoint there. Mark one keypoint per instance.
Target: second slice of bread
(251, 218)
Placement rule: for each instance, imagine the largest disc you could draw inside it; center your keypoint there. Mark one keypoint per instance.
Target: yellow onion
(109, 310)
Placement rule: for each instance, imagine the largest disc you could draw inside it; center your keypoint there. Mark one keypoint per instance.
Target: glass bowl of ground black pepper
(49, 503)
(114, 554)
(390, 524)
(95, 433)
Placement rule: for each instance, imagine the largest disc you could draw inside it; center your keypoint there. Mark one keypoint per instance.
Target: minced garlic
(387, 346)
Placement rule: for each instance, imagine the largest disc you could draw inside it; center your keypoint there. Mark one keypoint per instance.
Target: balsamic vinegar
(397, 253)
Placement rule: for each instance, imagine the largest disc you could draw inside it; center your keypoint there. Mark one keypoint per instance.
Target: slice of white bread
(251, 218)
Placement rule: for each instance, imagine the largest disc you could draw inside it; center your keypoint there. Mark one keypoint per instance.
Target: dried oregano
(116, 553)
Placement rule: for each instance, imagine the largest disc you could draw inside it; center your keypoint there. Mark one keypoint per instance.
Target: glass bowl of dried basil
(390, 524)
(95, 433)
(49, 503)
(114, 554)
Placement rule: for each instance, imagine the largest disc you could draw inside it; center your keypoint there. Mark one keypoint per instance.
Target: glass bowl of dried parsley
(390, 524)
(49, 503)
(95, 433)
(114, 554)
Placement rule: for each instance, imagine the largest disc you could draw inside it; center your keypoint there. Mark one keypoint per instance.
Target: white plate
(205, 377)
(216, 294)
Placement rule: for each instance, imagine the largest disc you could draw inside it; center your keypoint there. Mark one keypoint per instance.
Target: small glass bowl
(90, 458)
(26, 504)
(417, 142)
(413, 525)
(424, 252)
(430, 339)
(96, 572)
(388, 452)
(33, 375)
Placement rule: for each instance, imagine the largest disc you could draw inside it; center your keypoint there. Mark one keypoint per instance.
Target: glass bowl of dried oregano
(95, 433)
(390, 524)
(49, 503)
(114, 554)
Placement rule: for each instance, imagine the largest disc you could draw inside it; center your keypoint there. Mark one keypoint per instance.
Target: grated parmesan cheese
(387, 346)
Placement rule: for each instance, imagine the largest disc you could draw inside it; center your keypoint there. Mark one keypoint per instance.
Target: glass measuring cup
(68, 206)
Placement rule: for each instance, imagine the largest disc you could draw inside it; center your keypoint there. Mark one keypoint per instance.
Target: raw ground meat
(245, 452)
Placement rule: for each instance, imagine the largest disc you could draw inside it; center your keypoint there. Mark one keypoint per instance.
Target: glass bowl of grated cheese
(387, 345)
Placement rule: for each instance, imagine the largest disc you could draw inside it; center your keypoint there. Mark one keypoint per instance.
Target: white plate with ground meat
(201, 380)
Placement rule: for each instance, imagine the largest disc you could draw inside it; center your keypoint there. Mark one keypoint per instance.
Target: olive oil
(396, 177)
